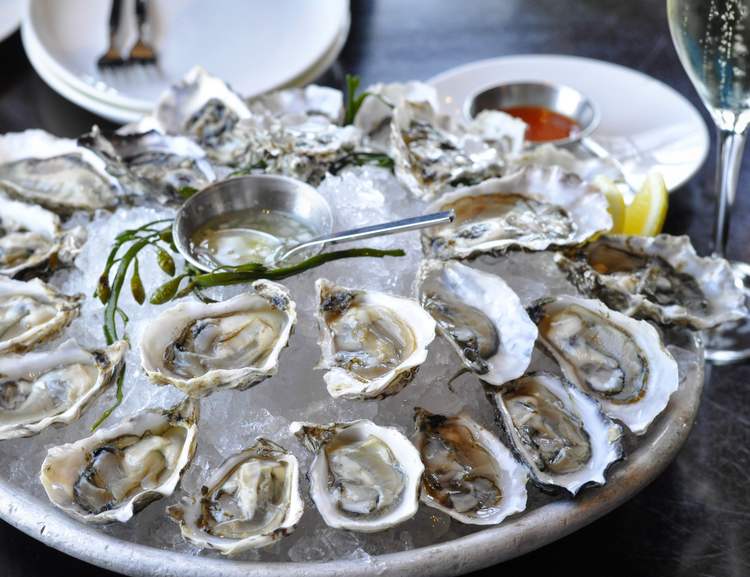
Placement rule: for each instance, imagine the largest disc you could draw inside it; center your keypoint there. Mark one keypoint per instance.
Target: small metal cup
(259, 192)
(556, 97)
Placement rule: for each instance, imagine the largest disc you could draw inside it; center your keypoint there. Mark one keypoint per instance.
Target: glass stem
(731, 146)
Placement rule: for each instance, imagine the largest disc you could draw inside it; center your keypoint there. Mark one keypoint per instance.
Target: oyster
(31, 237)
(291, 104)
(372, 343)
(432, 153)
(660, 278)
(39, 389)
(205, 109)
(557, 430)
(55, 172)
(469, 473)
(364, 477)
(152, 163)
(116, 472)
(250, 501)
(481, 317)
(31, 312)
(619, 361)
(200, 348)
(533, 209)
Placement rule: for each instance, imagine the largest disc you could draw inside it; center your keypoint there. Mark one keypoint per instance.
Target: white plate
(255, 45)
(10, 17)
(41, 62)
(645, 124)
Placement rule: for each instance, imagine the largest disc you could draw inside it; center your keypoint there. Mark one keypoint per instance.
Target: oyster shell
(55, 172)
(481, 317)
(116, 472)
(432, 153)
(621, 362)
(533, 209)
(372, 343)
(200, 348)
(250, 501)
(660, 278)
(39, 389)
(151, 163)
(363, 477)
(557, 430)
(31, 237)
(32, 312)
(469, 473)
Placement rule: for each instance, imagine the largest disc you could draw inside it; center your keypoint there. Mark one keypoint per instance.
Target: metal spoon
(371, 231)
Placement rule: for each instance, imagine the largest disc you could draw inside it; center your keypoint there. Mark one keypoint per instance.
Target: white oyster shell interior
(372, 343)
(39, 389)
(200, 348)
(364, 477)
(619, 361)
(481, 317)
(469, 473)
(250, 501)
(115, 472)
(559, 431)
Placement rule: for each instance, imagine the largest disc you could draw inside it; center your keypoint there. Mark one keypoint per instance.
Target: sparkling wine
(712, 39)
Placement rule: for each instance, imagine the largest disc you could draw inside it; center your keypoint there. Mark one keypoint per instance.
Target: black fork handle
(114, 17)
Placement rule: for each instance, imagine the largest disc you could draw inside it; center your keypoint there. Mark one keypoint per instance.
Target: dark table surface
(695, 518)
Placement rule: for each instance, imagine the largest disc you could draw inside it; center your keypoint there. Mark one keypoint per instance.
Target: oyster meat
(249, 501)
(39, 389)
(31, 238)
(32, 312)
(150, 163)
(533, 209)
(116, 472)
(372, 343)
(481, 317)
(557, 430)
(433, 154)
(621, 362)
(660, 278)
(55, 172)
(364, 477)
(200, 348)
(469, 474)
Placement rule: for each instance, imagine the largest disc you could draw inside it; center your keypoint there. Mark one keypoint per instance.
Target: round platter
(514, 537)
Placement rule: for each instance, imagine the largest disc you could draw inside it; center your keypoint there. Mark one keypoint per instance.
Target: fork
(142, 52)
(112, 56)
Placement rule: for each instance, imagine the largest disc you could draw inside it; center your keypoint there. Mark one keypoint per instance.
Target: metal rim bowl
(556, 97)
(257, 191)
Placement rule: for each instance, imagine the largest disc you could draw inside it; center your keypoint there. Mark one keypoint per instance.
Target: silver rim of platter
(514, 537)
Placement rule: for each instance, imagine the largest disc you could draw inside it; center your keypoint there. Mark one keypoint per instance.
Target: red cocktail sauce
(543, 124)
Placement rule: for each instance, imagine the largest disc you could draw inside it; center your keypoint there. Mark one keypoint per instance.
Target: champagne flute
(712, 38)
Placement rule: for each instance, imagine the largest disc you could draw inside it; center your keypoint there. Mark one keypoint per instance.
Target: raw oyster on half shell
(372, 343)
(116, 472)
(469, 474)
(364, 477)
(250, 501)
(32, 312)
(557, 430)
(481, 316)
(621, 362)
(42, 388)
(200, 348)
(533, 209)
(32, 238)
(659, 278)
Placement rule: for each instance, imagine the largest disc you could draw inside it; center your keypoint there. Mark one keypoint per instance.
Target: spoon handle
(383, 229)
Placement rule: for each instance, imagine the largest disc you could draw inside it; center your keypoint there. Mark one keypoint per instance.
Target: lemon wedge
(616, 204)
(645, 215)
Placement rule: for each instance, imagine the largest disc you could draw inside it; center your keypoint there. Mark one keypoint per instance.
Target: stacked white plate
(254, 44)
